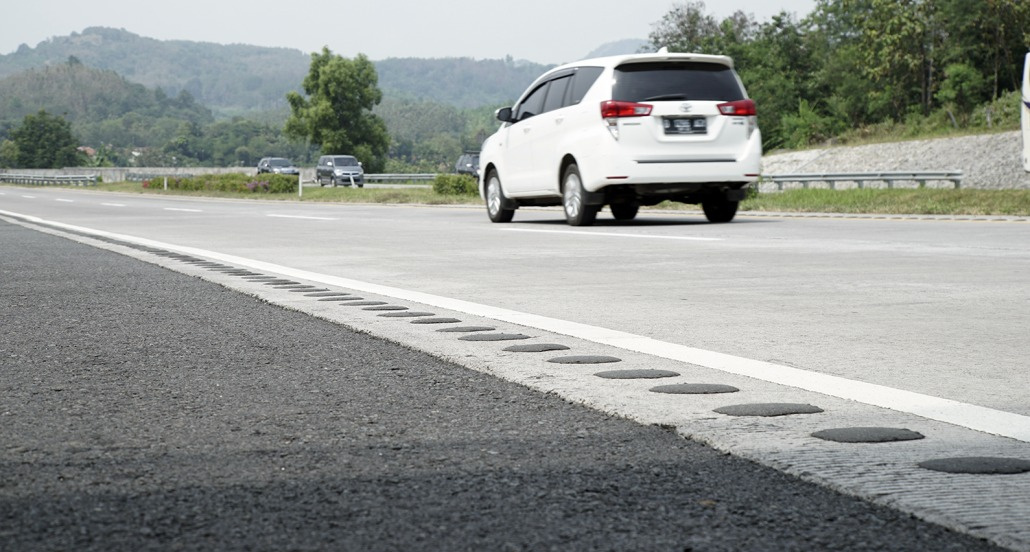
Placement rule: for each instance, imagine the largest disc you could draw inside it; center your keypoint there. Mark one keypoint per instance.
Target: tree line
(858, 64)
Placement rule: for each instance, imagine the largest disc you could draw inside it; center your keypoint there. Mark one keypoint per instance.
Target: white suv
(625, 131)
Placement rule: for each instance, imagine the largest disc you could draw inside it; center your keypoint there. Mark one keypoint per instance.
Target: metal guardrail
(53, 180)
(421, 177)
(141, 177)
(859, 178)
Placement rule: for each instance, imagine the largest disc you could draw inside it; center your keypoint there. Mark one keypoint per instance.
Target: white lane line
(183, 210)
(66, 200)
(301, 217)
(113, 204)
(29, 197)
(970, 416)
(610, 234)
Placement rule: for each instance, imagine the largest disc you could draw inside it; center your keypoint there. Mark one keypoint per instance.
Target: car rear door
(692, 117)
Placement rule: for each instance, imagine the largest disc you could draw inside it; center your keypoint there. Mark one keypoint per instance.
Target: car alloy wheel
(577, 212)
(495, 200)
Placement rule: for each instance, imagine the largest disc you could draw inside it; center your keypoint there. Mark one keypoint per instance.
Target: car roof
(615, 61)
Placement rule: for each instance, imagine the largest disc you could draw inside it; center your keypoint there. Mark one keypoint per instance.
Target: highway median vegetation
(234, 183)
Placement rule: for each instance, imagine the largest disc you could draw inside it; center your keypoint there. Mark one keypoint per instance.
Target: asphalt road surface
(142, 408)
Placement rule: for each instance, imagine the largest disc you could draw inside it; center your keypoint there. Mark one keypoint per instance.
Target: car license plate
(686, 125)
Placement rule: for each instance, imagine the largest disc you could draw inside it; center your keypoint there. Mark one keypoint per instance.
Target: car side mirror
(503, 114)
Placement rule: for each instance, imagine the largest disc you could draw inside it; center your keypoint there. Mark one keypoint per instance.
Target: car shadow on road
(644, 222)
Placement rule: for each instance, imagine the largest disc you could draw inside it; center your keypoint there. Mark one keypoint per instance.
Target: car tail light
(739, 108)
(612, 109)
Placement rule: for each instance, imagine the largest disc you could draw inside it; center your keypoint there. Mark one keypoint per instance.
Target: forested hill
(84, 94)
(459, 82)
(239, 79)
(226, 78)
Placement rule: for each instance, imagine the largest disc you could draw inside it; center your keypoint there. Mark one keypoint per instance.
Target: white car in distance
(625, 132)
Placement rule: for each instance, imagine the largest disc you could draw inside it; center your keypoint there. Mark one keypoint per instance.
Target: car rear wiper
(665, 97)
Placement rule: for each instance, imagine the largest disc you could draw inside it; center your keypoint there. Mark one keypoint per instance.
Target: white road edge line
(978, 418)
(610, 234)
(301, 217)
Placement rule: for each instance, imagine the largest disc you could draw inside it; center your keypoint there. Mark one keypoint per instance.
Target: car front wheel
(495, 200)
(577, 212)
(719, 210)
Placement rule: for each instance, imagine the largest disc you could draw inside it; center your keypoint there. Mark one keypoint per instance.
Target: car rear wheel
(495, 200)
(624, 211)
(577, 212)
(719, 210)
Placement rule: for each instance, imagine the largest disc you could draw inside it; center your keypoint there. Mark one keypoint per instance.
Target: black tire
(720, 210)
(577, 212)
(624, 211)
(495, 200)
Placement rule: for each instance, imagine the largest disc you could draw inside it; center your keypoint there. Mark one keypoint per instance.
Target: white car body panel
(1025, 113)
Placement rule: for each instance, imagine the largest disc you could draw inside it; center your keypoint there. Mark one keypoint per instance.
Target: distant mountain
(460, 82)
(618, 48)
(86, 94)
(103, 107)
(240, 79)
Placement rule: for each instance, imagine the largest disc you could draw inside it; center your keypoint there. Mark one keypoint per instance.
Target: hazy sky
(544, 31)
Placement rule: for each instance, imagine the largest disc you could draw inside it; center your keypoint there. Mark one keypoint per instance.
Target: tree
(337, 112)
(8, 154)
(687, 28)
(45, 141)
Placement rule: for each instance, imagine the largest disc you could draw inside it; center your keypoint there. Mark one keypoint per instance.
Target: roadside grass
(925, 201)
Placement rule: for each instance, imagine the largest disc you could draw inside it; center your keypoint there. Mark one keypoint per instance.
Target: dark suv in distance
(277, 165)
(339, 169)
(468, 164)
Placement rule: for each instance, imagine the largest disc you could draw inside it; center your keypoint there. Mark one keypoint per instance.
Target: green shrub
(455, 184)
(230, 183)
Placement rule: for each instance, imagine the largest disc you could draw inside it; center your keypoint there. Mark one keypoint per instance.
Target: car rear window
(671, 81)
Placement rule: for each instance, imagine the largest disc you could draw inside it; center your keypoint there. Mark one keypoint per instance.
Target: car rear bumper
(612, 166)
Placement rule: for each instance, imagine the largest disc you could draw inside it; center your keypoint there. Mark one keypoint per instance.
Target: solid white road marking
(29, 197)
(301, 217)
(183, 210)
(113, 204)
(978, 418)
(66, 200)
(610, 234)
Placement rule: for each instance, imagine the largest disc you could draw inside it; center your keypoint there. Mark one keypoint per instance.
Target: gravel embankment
(988, 161)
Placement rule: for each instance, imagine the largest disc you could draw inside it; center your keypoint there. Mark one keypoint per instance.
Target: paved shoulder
(145, 409)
